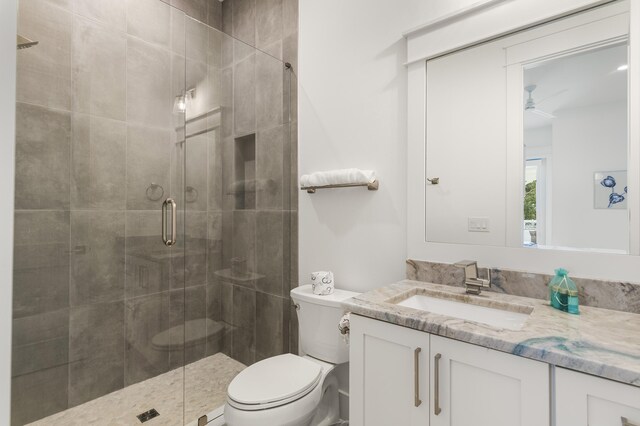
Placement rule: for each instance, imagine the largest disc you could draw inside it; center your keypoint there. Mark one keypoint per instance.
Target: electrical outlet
(478, 224)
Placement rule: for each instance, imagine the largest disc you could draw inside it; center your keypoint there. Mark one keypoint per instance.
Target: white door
(472, 385)
(388, 371)
(584, 400)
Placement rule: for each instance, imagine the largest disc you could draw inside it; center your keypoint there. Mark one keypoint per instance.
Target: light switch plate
(479, 224)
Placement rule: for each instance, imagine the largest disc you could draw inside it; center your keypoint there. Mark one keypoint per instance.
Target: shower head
(25, 43)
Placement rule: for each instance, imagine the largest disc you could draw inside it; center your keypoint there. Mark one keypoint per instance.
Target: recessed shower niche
(245, 185)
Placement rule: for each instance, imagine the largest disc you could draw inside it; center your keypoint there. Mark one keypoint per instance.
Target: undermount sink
(501, 315)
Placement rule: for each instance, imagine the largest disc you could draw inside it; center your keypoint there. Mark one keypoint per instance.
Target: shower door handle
(169, 241)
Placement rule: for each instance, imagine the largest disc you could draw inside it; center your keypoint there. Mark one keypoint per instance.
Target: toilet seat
(273, 382)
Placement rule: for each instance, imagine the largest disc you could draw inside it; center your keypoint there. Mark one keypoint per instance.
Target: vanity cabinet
(472, 385)
(388, 374)
(582, 400)
(400, 376)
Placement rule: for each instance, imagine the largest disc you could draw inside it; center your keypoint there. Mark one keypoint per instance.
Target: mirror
(575, 151)
(526, 138)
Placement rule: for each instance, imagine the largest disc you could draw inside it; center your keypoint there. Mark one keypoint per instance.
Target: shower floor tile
(204, 388)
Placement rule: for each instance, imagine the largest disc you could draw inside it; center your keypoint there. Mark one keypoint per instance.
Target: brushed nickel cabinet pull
(626, 422)
(416, 377)
(436, 384)
(174, 222)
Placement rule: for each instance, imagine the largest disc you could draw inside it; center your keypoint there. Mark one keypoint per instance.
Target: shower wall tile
(197, 34)
(40, 327)
(188, 305)
(243, 240)
(214, 244)
(244, 105)
(39, 394)
(270, 167)
(289, 17)
(99, 70)
(39, 365)
(98, 166)
(294, 277)
(178, 32)
(294, 188)
(214, 14)
(41, 354)
(244, 321)
(274, 49)
(196, 173)
(44, 71)
(149, 96)
(43, 139)
(96, 351)
(111, 13)
(145, 317)
(290, 54)
(215, 40)
(150, 21)
(216, 334)
(40, 261)
(148, 262)
(272, 324)
(226, 310)
(269, 91)
(191, 255)
(270, 251)
(226, 102)
(148, 161)
(214, 172)
(244, 20)
(98, 256)
(196, 9)
(269, 14)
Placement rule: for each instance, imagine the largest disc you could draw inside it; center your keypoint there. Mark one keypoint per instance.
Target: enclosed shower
(155, 206)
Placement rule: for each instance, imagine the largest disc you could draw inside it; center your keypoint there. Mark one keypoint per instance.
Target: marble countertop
(601, 342)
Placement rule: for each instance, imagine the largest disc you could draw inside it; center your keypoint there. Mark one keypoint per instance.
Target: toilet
(292, 390)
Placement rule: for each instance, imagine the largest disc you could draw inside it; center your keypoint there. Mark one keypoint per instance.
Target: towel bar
(371, 186)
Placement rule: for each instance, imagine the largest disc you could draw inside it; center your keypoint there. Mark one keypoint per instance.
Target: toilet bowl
(292, 390)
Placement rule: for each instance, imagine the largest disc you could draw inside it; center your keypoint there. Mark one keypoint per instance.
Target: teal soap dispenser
(563, 292)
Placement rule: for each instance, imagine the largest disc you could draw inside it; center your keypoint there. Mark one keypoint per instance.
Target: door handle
(436, 384)
(174, 225)
(626, 422)
(416, 377)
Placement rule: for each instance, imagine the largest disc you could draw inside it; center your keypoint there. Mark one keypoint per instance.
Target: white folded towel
(338, 177)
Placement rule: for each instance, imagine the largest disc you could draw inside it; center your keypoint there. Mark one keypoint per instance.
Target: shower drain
(148, 415)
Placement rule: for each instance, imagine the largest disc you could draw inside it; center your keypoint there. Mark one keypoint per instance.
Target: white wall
(7, 144)
(352, 113)
(586, 140)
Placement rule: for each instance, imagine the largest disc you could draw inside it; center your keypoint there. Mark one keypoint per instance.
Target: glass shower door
(238, 213)
(99, 297)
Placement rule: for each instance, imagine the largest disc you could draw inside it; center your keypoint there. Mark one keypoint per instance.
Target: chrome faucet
(472, 283)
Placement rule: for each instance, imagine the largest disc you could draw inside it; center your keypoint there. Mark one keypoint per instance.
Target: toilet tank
(318, 318)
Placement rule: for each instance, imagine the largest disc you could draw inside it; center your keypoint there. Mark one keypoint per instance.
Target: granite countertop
(601, 342)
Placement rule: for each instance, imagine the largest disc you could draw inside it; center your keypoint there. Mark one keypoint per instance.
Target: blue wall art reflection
(610, 190)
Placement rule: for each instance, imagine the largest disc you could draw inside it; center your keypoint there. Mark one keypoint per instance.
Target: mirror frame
(477, 24)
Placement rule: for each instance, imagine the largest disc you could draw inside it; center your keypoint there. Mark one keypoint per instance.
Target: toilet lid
(279, 378)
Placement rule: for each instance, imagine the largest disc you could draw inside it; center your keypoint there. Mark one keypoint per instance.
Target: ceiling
(578, 80)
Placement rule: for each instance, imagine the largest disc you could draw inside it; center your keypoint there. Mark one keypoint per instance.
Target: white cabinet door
(388, 371)
(584, 400)
(482, 387)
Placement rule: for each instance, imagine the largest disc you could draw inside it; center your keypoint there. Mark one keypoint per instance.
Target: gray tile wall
(95, 127)
(256, 307)
(620, 296)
